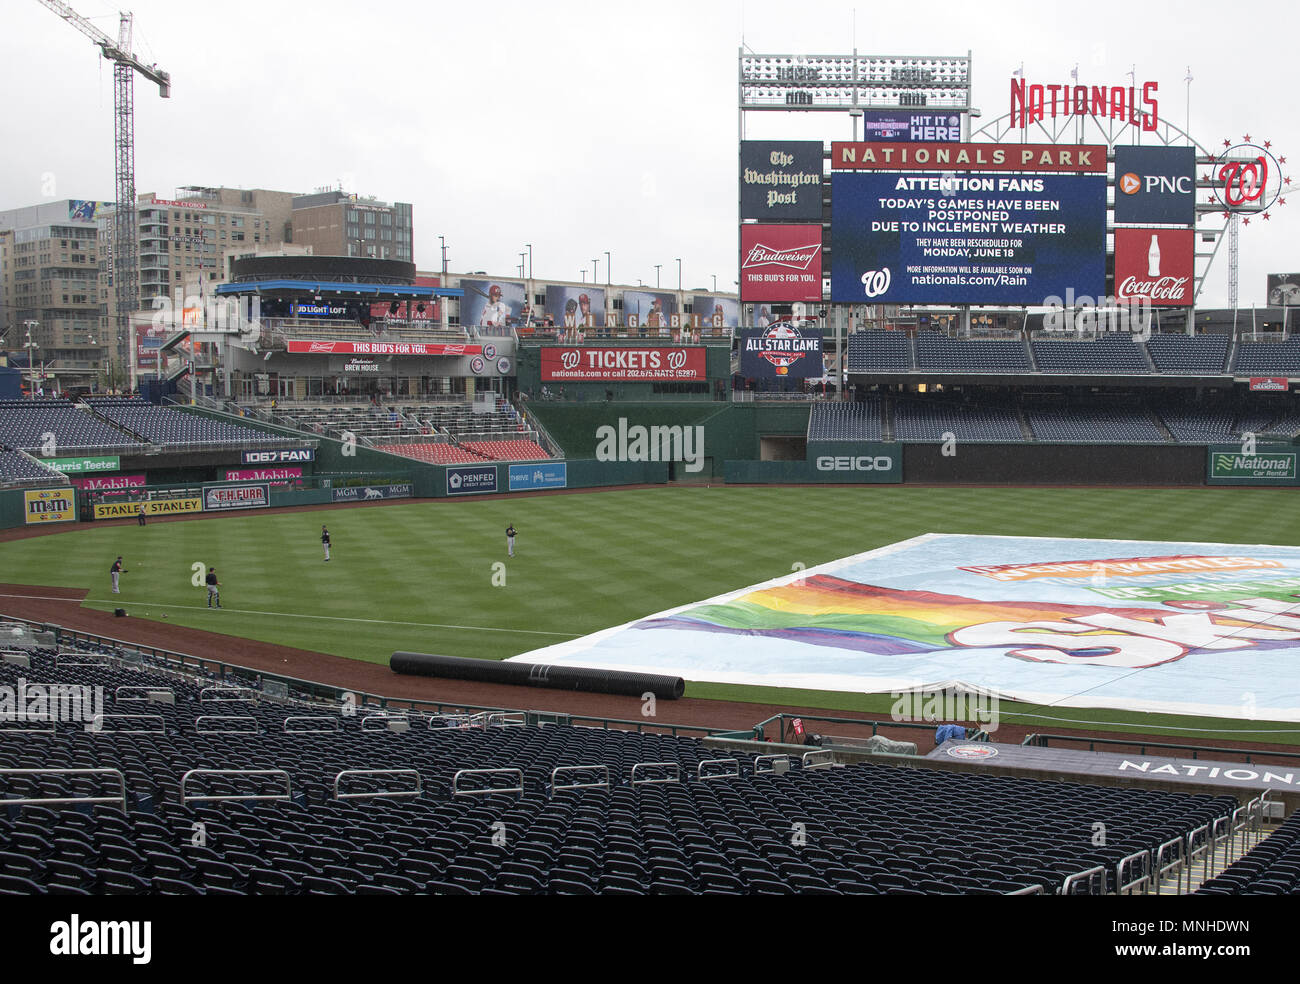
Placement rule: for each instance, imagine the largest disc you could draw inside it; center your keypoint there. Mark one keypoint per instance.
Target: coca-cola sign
(1157, 264)
(780, 263)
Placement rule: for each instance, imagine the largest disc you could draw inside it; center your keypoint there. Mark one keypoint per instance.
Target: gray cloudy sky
(579, 127)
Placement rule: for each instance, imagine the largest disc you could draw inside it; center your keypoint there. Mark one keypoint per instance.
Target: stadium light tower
(657, 266)
(607, 269)
(125, 275)
(679, 273)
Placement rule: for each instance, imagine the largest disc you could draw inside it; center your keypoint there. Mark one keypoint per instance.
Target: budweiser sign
(797, 258)
(780, 263)
(1157, 264)
(380, 348)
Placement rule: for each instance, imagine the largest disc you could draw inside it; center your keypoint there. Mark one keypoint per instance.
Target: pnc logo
(1130, 183)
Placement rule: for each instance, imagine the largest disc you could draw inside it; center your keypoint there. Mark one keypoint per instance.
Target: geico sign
(849, 462)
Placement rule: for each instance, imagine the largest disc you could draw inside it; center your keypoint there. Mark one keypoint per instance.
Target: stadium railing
(1043, 740)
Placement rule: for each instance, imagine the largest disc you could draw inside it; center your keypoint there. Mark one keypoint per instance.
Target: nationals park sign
(610, 364)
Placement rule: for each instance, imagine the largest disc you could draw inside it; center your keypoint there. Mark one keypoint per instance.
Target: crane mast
(124, 272)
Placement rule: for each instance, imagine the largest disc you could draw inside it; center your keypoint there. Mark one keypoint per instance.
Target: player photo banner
(1283, 289)
(237, 497)
(303, 346)
(634, 365)
(780, 263)
(1078, 158)
(491, 303)
(780, 351)
(1157, 264)
(48, 506)
(711, 311)
(575, 307)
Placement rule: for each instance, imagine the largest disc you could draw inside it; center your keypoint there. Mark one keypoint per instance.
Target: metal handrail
(826, 763)
(147, 696)
(218, 690)
(699, 769)
(774, 759)
(675, 766)
(119, 799)
(1085, 876)
(1028, 890)
(336, 722)
(579, 785)
(457, 791)
(97, 724)
(225, 717)
(387, 720)
(389, 794)
(1121, 886)
(288, 786)
(1161, 869)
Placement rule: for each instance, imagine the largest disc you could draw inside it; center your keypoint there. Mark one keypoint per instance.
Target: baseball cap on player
(494, 291)
(584, 299)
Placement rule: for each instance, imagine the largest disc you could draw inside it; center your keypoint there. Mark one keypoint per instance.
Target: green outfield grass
(421, 576)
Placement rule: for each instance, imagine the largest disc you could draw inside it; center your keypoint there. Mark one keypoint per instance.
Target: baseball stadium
(881, 576)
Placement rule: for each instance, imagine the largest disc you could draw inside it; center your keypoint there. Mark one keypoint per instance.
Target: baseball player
(139, 512)
(495, 312)
(117, 570)
(213, 585)
(585, 318)
(325, 541)
(510, 540)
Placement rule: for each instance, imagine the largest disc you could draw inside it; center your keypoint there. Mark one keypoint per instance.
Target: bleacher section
(1104, 355)
(838, 421)
(1268, 358)
(1184, 355)
(1199, 426)
(879, 351)
(939, 353)
(444, 453)
(709, 823)
(29, 425)
(18, 469)
(1272, 868)
(508, 450)
(169, 427)
(918, 420)
(1094, 425)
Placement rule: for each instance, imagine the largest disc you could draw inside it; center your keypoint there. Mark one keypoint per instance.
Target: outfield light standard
(584, 275)
(443, 241)
(679, 274)
(29, 345)
(530, 260)
(657, 266)
(608, 268)
(715, 282)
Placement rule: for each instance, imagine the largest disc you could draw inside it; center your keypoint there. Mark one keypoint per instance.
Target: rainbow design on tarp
(823, 610)
(1191, 628)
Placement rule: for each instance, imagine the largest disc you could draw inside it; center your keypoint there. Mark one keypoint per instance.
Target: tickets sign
(623, 364)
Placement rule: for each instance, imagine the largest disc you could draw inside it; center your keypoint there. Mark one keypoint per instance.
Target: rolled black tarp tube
(588, 679)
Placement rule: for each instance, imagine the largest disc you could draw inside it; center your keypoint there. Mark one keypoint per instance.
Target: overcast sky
(579, 127)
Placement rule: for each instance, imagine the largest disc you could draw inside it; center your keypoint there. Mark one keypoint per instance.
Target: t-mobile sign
(1157, 264)
(780, 263)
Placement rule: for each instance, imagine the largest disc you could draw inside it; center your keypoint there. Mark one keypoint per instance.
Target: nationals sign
(780, 263)
(1156, 264)
(379, 348)
(596, 365)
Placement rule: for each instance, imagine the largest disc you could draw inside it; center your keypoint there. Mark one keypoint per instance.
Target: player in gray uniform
(325, 541)
(117, 570)
(510, 540)
(213, 584)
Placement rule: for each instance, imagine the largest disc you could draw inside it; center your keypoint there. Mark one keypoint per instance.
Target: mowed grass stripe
(585, 561)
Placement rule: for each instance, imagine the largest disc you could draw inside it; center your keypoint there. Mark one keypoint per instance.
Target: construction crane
(124, 272)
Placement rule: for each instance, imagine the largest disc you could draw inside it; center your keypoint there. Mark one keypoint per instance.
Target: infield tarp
(1187, 628)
